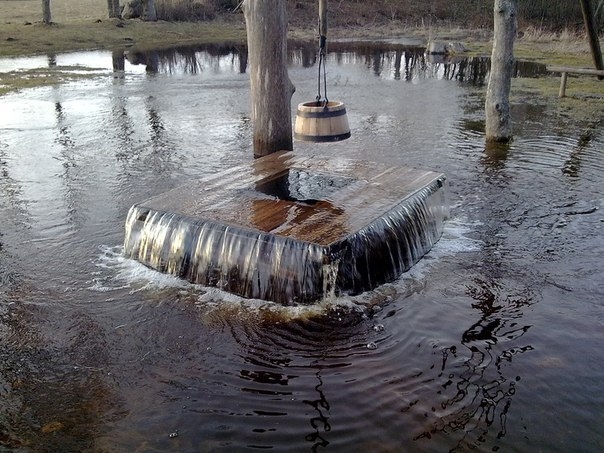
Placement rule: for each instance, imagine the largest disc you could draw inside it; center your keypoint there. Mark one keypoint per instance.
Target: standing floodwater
(493, 341)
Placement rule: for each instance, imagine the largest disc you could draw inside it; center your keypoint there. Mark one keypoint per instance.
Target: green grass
(584, 101)
(20, 39)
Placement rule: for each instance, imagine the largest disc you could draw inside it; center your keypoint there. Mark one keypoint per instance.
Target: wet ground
(494, 341)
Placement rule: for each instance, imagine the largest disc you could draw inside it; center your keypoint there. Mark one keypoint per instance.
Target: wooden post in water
(271, 89)
(497, 106)
(562, 92)
(592, 34)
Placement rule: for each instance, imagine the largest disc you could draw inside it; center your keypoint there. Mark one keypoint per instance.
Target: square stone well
(292, 228)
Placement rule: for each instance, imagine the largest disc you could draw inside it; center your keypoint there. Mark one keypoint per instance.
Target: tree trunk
(589, 17)
(271, 89)
(113, 8)
(323, 18)
(46, 16)
(119, 60)
(497, 105)
(149, 11)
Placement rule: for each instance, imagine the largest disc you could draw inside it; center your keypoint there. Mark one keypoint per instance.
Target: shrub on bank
(550, 15)
(193, 10)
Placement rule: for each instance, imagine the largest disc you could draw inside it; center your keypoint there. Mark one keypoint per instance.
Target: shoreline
(23, 40)
(29, 39)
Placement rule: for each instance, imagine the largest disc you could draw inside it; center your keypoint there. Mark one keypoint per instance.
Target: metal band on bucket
(321, 138)
(326, 113)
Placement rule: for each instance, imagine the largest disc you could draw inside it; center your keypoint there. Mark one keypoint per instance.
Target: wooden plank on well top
(351, 194)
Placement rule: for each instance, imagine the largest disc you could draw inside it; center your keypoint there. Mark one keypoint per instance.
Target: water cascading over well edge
(262, 265)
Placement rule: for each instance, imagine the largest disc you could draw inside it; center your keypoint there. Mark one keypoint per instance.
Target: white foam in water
(121, 273)
(129, 274)
(453, 241)
(215, 297)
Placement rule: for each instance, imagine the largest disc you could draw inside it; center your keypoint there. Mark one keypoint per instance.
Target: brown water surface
(494, 341)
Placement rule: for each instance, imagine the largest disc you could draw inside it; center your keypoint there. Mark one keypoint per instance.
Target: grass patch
(20, 11)
(565, 48)
(584, 101)
(39, 77)
(20, 39)
(563, 53)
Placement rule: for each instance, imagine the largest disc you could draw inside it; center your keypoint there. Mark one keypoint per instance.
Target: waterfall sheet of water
(393, 243)
(242, 261)
(288, 262)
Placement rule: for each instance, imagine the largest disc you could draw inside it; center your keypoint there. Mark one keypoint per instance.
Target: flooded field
(493, 342)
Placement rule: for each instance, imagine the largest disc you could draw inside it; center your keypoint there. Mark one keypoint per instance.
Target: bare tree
(113, 8)
(271, 88)
(46, 16)
(497, 105)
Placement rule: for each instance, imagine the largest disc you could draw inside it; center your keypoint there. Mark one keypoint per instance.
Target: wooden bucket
(321, 122)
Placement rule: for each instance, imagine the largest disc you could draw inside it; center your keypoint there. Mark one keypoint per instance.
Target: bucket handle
(322, 58)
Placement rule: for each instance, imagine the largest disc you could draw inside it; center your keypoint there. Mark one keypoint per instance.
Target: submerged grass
(40, 77)
(584, 101)
(26, 38)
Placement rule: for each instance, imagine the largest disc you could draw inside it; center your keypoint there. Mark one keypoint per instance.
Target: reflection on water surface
(492, 342)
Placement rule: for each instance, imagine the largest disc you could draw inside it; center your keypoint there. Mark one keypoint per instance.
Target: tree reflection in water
(320, 422)
(384, 60)
(476, 392)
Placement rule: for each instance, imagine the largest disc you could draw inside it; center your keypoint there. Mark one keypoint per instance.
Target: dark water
(494, 341)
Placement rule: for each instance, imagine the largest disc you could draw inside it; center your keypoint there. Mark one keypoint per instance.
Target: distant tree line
(551, 14)
(558, 13)
(547, 14)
